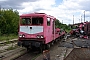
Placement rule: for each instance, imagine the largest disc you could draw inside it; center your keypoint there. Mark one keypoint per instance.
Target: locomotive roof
(37, 14)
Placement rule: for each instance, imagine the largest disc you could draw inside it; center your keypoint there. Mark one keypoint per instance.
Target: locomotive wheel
(48, 46)
(42, 47)
(52, 43)
(56, 40)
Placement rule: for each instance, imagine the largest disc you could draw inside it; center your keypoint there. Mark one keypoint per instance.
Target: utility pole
(81, 18)
(84, 16)
(62, 21)
(73, 19)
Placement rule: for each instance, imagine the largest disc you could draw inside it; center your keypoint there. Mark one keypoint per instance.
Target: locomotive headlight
(23, 35)
(38, 36)
(20, 35)
(42, 36)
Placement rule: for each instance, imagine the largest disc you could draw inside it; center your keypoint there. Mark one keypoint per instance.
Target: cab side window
(48, 21)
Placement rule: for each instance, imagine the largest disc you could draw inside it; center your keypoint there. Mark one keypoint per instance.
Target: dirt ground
(57, 53)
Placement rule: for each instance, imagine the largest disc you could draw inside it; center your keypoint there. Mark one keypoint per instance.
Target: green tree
(58, 24)
(9, 21)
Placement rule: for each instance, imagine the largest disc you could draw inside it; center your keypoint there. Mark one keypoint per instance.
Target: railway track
(10, 50)
(4, 42)
(7, 45)
(11, 54)
(16, 53)
(30, 55)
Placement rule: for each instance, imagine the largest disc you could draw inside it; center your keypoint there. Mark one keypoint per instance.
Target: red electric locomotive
(37, 30)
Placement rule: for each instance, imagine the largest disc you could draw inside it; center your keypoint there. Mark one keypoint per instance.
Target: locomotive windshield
(32, 21)
(37, 21)
(26, 21)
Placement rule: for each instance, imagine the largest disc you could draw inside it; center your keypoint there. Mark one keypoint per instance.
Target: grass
(64, 55)
(68, 31)
(36, 56)
(8, 37)
(11, 47)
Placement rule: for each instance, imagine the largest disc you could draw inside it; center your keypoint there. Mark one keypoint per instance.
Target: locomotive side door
(53, 29)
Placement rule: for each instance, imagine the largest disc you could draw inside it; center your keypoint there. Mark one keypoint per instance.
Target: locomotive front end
(31, 31)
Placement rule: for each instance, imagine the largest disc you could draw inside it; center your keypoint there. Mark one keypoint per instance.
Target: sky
(64, 10)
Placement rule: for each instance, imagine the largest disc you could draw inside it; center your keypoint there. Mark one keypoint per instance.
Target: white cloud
(64, 11)
(37, 6)
(3, 0)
